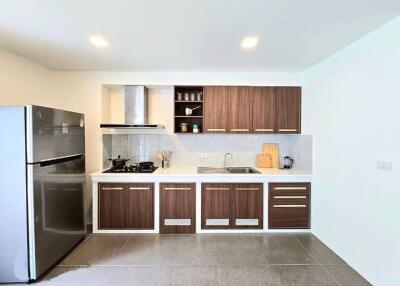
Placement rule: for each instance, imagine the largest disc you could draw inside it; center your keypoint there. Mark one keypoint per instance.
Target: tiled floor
(265, 259)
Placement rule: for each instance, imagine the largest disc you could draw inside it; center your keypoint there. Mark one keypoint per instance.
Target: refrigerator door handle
(58, 160)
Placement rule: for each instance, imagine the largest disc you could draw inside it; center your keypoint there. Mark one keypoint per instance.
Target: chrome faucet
(226, 156)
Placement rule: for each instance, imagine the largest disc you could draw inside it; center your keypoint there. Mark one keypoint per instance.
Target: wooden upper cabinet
(264, 106)
(215, 109)
(288, 110)
(240, 109)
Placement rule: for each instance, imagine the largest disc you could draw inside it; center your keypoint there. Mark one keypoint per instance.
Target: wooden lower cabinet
(177, 208)
(247, 206)
(289, 205)
(226, 206)
(111, 206)
(216, 206)
(126, 206)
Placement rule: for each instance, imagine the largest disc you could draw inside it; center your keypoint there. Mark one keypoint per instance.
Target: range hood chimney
(136, 104)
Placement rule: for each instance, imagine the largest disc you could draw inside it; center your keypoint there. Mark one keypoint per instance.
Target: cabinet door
(288, 110)
(216, 205)
(240, 109)
(139, 204)
(215, 109)
(247, 205)
(263, 110)
(177, 208)
(289, 205)
(111, 206)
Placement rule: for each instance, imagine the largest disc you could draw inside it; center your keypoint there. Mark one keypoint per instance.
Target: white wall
(23, 82)
(351, 107)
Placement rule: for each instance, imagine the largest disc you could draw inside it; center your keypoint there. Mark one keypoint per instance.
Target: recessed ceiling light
(249, 43)
(98, 41)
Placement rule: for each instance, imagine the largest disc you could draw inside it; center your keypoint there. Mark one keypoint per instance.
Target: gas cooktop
(132, 169)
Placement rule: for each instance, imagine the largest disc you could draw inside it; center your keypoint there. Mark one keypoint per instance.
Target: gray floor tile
(283, 249)
(303, 275)
(97, 250)
(238, 249)
(103, 275)
(189, 275)
(140, 250)
(346, 276)
(188, 250)
(318, 250)
(246, 276)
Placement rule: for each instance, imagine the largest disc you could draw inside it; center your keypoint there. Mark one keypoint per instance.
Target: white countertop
(181, 172)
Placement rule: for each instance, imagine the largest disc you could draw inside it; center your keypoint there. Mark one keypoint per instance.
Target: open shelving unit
(180, 104)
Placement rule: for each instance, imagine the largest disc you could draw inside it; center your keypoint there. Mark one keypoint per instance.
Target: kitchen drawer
(289, 205)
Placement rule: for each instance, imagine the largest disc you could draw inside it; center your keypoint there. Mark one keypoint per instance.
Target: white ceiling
(191, 35)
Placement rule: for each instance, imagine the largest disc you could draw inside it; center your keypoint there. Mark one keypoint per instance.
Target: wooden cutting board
(264, 161)
(272, 149)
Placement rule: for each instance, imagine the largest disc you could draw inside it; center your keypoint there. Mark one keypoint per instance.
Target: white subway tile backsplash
(186, 149)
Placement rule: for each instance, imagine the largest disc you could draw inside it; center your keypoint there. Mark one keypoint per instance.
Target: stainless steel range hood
(136, 105)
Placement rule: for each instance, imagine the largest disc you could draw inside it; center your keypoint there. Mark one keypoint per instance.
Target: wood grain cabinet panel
(240, 109)
(263, 111)
(216, 206)
(233, 205)
(215, 109)
(177, 208)
(289, 205)
(247, 206)
(288, 110)
(139, 204)
(111, 206)
(126, 206)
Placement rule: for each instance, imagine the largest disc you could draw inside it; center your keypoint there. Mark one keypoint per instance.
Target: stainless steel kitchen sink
(228, 170)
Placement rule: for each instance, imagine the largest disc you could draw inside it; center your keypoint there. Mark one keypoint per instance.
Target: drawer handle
(243, 221)
(139, 188)
(170, 221)
(290, 197)
(239, 130)
(221, 221)
(247, 189)
(217, 189)
(290, 188)
(216, 129)
(177, 189)
(289, 206)
(287, 130)
(263, 130)
(112, 188)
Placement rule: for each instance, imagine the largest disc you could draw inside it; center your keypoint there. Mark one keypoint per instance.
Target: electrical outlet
(203, 155)
(382, 165)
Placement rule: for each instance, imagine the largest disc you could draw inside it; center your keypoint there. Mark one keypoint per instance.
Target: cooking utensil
(118, 163)
(288, 162)
(189, 111)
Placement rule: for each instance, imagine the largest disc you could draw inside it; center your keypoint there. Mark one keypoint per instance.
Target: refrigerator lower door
(13, 211)
(56, 211)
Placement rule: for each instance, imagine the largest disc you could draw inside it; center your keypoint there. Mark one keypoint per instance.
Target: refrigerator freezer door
(54, 133)
(13, 211)
(57, 211)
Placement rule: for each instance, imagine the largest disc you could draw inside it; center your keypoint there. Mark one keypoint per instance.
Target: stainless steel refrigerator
(42, 179)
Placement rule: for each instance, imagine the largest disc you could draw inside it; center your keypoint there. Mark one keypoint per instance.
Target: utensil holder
(165, 164)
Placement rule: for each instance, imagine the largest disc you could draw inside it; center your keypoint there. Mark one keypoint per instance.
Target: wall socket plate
(203, 155)
(382, 165)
